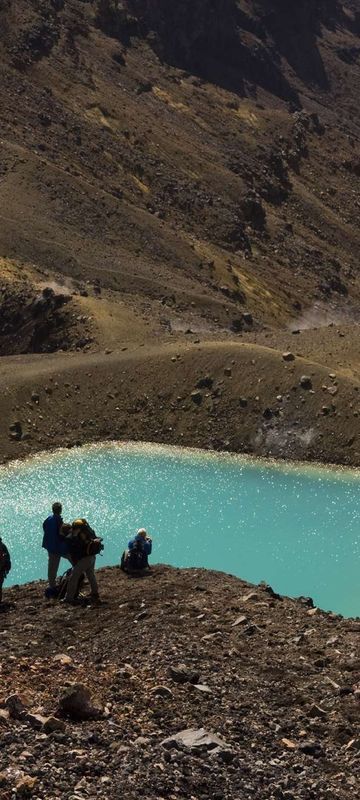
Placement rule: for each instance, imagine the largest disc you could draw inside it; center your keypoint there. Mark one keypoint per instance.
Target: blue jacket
(53, 542)
(147, 544)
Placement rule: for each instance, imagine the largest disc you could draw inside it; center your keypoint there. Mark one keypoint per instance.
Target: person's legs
(2, 577)
(82, 566)
(90, 574)
(53, 566)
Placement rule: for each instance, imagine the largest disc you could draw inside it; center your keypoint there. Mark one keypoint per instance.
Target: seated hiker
(55, 544)
(135, 558)
(5, 564)
(83, 546)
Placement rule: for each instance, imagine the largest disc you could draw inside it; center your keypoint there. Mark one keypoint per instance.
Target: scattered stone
(305, 382)
(196, 398)
(237, 325)
(250, 596)
(268, 413)
(63, 659)
(52, 724)
(243, 402)
(239, 621)
(288, 743)
(162, 691)
(228, 372)
(313, 749)
(15, 706)
(312, 612)
(288, 356)
(205, 383)
(248, 319)
(25, 785)
(15, 430)
(35, 721)
(183, 674)
(316, 711)
(35, 397)
(193, 739)
(75, 702)
(201, 687)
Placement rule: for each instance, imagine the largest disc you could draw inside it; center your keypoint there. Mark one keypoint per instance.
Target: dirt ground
(275, 679)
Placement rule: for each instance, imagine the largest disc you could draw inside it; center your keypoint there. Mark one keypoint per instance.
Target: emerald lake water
(296, 527)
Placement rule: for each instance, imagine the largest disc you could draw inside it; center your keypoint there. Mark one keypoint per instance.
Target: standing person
(55, 545)
(84, 546)
(5, 564)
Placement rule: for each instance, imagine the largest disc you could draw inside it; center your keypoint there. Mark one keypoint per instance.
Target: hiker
(83, 546)
(5, 564)
(55, 544)
(135, 558)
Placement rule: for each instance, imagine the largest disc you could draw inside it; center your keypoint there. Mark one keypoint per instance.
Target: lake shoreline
(152, 394)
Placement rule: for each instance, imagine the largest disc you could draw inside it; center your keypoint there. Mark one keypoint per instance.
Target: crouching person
(135, 558)
(84, 546)
(5, 564)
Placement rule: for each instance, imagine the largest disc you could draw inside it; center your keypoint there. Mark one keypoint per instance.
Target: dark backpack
(62, 585)
(86, 540)
(137, 558)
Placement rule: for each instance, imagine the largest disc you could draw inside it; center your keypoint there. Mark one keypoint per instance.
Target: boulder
(196, 398)
(305, 382)
(248, 319)
(75, 702)
(15, 430)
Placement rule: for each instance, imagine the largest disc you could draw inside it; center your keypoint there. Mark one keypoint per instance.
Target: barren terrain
(180, 180)
(275, 679)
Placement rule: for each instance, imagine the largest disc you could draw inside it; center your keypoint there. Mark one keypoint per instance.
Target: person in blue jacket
(135, 558)
(55, 544)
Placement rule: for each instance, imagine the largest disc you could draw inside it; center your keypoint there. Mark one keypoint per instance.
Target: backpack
(91, 544)
(137, 558)
(62, 585)
(5, 563)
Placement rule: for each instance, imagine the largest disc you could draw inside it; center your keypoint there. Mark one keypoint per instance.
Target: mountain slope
(209, 146)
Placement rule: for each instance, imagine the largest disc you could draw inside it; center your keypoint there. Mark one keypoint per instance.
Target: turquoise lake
(295, 527)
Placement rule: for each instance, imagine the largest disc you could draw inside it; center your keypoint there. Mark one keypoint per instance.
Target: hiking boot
(76, 602)
(95, 598)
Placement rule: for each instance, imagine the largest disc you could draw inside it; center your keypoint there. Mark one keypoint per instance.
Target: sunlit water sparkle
(296, 527)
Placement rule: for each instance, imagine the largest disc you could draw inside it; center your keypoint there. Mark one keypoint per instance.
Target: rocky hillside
(210, 147)
(183, 684)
